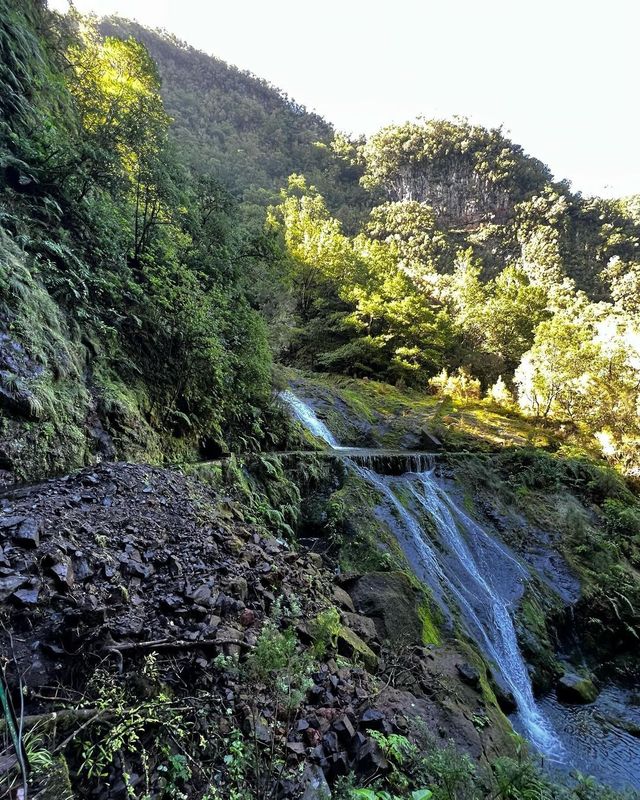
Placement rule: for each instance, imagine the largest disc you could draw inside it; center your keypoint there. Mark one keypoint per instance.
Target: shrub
(500, 394)
(460, 385)
(276, 662)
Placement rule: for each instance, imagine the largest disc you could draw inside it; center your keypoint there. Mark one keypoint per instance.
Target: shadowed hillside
(239, 127)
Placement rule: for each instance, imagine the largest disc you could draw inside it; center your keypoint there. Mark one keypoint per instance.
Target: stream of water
(477, 582)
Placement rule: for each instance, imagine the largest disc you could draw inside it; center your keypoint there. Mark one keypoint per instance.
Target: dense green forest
(121, 294)
(436, 254)
(246, 132)
(155, 217)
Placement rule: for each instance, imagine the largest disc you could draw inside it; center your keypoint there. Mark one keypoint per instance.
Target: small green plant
(176, 772)
(277, 662)
(518, 779)
(395, 747)
(230, 664)
(38, 755)
(399, 751)
(450, 774)
(128, 729)
(236, 758)
(372, 794)
(324, 630)
(480, 721)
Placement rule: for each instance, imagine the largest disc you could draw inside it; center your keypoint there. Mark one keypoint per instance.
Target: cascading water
(467, 570)
(463, 571)
(307, 416)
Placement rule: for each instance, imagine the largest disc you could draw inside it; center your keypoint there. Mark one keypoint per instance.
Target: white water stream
(468, 571)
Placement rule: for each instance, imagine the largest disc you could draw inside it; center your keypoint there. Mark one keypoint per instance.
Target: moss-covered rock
(574, 688)
(394, 603)
(351, 645)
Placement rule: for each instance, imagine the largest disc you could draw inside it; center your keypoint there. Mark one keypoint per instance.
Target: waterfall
(467, 570)
(306, 415)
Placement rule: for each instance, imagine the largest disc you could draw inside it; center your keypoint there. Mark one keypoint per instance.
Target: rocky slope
(141, 608)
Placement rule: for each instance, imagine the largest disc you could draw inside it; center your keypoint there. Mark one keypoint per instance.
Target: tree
(554, 375)
(541, 229)
(423, 248)
(624, 284)
(512, 313)
(117, 91)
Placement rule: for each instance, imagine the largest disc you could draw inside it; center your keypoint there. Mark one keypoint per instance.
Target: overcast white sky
(560, 75)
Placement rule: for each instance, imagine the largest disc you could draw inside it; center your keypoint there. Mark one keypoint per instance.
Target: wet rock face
(469, 674)
(14, 360)
(506, 700)
(390, 600)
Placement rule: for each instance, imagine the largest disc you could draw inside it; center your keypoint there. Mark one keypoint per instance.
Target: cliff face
(458, 194)
(467, 173)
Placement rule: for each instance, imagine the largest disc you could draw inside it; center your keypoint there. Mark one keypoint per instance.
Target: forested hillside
(435, 245)
(436, 253)
(125, 329)
(237, 126)
(319, 457)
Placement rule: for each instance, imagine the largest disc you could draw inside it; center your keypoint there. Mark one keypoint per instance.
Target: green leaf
(421, 794)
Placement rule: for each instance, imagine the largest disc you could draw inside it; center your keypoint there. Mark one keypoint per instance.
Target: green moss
(389, 414)
(362, 541)
(430, 632)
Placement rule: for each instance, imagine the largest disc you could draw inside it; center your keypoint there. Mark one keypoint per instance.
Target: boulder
(61, 570)
(365, 627)
(10, 522)
(574, 688)
(393, 602)
(352, 646)
(28, 596)
(28, 533)
(315, 784)
(506, 700)
(343, 599)
(9, 583)
(428, 441)
(469, 675)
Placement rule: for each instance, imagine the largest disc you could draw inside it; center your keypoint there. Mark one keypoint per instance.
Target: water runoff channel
(475, 578)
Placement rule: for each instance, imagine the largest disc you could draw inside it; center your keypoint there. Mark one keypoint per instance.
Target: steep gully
(477, 582)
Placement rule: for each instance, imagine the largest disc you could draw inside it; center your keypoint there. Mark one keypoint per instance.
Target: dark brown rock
(343, 598)
(62, 572)
(365, 627)
(9, 583)
(468, 674)
(392, 601)
(247, 617)
(28, 596)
